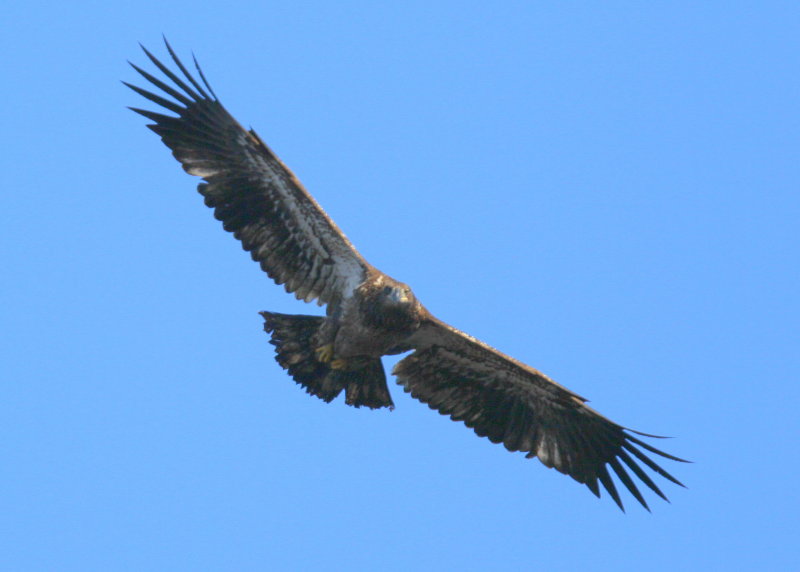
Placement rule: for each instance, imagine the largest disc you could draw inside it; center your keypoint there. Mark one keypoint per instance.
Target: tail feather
(366, 386)
(293, 338)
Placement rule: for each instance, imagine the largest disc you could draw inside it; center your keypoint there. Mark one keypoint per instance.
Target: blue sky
(607, 193)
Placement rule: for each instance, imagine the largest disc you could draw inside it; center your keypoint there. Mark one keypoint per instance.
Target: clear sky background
(609, 194)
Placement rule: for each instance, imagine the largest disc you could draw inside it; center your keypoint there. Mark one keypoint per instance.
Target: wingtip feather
(609, 485)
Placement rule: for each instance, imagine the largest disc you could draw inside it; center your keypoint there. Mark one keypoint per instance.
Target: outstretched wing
(511, 403)
(252, 192)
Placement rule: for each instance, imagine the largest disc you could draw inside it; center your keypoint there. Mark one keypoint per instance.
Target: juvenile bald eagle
(368, 314)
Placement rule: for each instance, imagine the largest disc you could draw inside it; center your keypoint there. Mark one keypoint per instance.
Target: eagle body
(369, 314)
(343, 351)
(380, 315)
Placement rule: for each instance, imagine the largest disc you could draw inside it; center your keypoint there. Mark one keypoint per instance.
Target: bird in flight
(369, 314)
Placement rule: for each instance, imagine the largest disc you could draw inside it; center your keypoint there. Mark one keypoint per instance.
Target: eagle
(368, 314)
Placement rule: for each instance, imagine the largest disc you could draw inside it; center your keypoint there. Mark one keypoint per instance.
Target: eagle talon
(339, 363)
(324, 353)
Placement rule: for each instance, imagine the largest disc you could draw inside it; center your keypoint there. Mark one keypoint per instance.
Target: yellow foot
(324, 353)
(339, 364)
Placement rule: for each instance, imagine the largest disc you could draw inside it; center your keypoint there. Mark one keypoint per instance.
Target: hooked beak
(399, 296)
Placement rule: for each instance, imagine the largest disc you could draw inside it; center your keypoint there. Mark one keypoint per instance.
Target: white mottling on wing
(200, 171)
(311, 225)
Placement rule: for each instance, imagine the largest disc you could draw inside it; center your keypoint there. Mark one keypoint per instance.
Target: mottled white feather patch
(201, 171)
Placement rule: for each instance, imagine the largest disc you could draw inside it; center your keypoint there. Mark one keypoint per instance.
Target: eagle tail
(294, 336)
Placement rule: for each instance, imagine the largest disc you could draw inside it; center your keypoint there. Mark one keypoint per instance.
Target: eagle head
(391, 304)
(397, 295)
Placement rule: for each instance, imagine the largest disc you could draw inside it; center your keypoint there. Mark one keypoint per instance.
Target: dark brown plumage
(369, 314)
